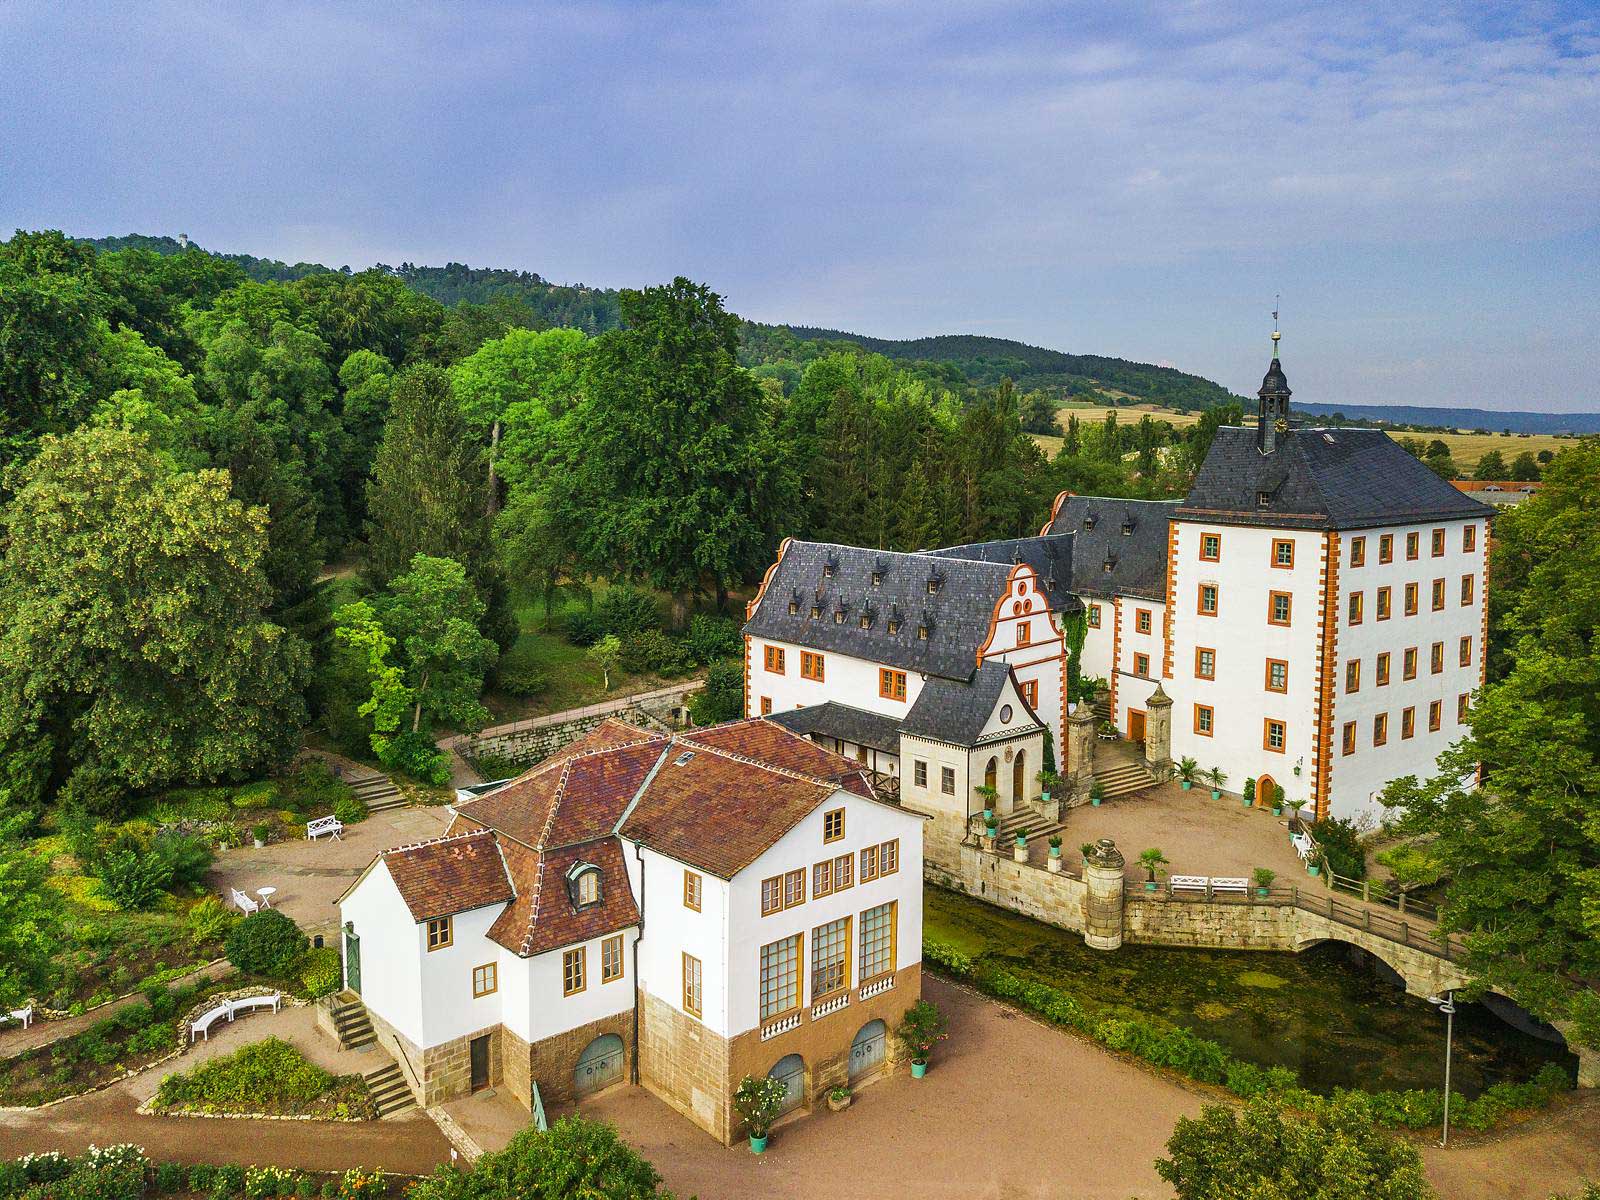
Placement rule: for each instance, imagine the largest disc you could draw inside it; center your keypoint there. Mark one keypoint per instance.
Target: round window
(1005, 714)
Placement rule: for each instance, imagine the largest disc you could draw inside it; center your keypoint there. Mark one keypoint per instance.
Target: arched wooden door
(1265, 786)
(790, 1071)
(600, 1065)
(867, 1050)
(1019, 778)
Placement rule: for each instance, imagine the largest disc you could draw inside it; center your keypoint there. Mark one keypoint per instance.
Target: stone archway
(1019, 779)
(600, 1065)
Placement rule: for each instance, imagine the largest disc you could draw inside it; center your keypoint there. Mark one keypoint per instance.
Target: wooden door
(479, 1048)
(1136, 725)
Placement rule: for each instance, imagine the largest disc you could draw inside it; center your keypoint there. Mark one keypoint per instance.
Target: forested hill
(978, 360)
(1488, 420)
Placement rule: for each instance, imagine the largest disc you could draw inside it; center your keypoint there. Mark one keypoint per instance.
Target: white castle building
(1312, 615)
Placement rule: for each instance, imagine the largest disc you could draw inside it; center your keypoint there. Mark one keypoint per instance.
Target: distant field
(1465, 448)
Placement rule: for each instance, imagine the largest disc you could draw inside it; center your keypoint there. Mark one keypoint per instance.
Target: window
(1469, 538)
(771, 895)
(1272, 735)
(832, 826)
(485, 980)
(830, 959)
(1384, 604)
(774, 659)
(1141, 620)
(877, 942)
(947, 780)
(1349, 746)
(1461, 707)
(1030, 693)
(869, 864)
(794, 887)
(1358, 552)
(440, 933)
(1438, 594)
(1094, 616)
(1352, 675)
(1411, 599)
(889, 856)
(1141, 665)
(1278, 608)
(1277, 675)
(1263, 499)
(586, 888)
(844, 872)
(766, 706)
(1408, 723)
(1382, 673)
(919, 773)
(1413, 540)
(1380, 729)
(810, 666)
(1408, 663)
(1356, 605)
(572, 971)
(1024, 632)
(1210, 547)
(1466, 652)
(1208, 599)
(1434, 710)
(1466, 590)
(822, 879)
(693, 989)
(1205, 663)
(891, 684)
(1204, 718)
(691, 890)
(1282, 553)
(1438, 543)
(1436, 658)
(611, 959)
(1386, 548)
(780, 977)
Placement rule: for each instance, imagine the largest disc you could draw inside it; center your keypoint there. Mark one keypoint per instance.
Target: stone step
(388, 1090)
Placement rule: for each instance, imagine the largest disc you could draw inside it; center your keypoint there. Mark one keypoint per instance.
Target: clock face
(1282, 426)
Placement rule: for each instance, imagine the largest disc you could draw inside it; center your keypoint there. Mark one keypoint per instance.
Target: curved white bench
(250, 1003)
(202, 1024)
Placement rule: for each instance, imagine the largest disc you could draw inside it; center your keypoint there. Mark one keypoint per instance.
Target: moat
(1321, 1013)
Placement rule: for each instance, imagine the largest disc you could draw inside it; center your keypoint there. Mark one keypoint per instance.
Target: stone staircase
(1025, 820)
(1102, 706)
(352, 1023)
(389, 1091)
(1118, 776)
(377, 791)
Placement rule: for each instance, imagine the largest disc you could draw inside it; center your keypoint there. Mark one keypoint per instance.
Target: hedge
(124, 1172)
(1204, 1060)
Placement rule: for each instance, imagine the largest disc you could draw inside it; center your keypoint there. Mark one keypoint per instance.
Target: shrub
(169, 1178)
(208, 919)
(130, 877)
(267, 1183)
(653, 650)
(758, 1101)
(267, 943)
(321, 971)
(414, 755)
(271, 1070)
(722, 699)
(710, 638)
(358, 1183)
(201, 1177)
(584, 628)
(229, 1181)
(350, 809)
(185, 859)
(625, 610)
(922, 1027)
(1340, 843)
(576, 1158)
(516, 674)
(261, 794)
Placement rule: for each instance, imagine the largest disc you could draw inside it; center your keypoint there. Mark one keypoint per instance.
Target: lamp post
(1447, 1005)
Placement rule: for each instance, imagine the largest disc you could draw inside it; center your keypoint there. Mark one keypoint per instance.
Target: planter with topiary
(1249, 790)
(758, 1103)
(1264, 877)
(1054, 861)
(259, 834)
(989, 796)
(1097, 794)
(922, 1027)
(1218, 777)
(1188, 768)
(1150, 860)
(1277, 801)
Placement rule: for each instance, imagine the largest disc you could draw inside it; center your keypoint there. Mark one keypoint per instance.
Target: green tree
(576, 1158)
(133, 633)
(520, 385)
(146, 392)
(49, 343)
(366, 383)
(1333, 1152)
(1525, 468)
(607, 655)
(670, 471)
(722, 699)
(1491, 466)
(534, 547)
(29, 924)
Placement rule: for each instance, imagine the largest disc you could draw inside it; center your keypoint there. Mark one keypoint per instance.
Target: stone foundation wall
(447, 1068)
(537, 738)
(686, 1065)
(405, 1053)
(516, 1065)
(1055, 899)
(553, 1062)
(1166, 922)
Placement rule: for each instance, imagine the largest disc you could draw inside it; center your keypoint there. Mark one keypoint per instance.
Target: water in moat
(1321, 1013)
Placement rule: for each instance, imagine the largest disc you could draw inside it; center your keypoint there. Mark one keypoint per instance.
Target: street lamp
(1447, 1005)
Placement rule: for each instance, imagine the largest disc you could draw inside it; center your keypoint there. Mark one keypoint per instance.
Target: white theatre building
(679, 912)
(1313, 614)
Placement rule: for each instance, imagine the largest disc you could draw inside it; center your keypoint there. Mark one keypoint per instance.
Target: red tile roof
(543, 916)
(449, 875)
(569, 798)
(773, 745)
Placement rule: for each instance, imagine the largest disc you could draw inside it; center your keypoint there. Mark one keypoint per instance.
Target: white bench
(202, 1024)
(250, 1003)
(324, 825)
(244, 904)
(1240, 886)
(1187, 883)
(1301, 843)
(25, 1015)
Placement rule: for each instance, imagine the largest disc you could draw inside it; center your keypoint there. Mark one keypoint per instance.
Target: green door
(352, 959)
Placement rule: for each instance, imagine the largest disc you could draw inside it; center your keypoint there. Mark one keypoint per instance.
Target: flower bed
(125, 1173)
(1204, 1060)
(267, 1078)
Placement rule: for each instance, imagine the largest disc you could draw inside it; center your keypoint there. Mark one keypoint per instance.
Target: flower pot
(259, 843)
(1277, 812)
(918, 1069)
(758, 1145)
(1095, 800)
(1216, 794)
(838, 1104)
(988, 816)
(1262, 892)
(1313, 869)
(1186, 784)
(1249, 803)
(1150, 885)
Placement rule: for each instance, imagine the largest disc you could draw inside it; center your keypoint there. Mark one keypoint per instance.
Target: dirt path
(1552, 1153)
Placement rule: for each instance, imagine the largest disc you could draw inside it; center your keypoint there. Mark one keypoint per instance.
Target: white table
(266, 894)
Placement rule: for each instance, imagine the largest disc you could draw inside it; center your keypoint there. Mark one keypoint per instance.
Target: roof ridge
(803, 776)
(555, 805)
(407, 847)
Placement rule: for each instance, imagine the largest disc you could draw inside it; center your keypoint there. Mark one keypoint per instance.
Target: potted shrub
(1096, 793)
(1264, 877)
(1277, 801)
(1187, 769)
(260, 834)
(1314, 863)
(1218, 777)
(1050, 784)
(758, 1102)
(920, 1029)
(1054, 861)
(839, 1099)
(988, 795)
(1151, 859)
(1249, 790)
(1019, 851)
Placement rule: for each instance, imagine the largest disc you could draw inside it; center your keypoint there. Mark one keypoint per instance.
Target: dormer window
(794, 604)
(1263, 499)
(1088, 522)
(838, 616)
(583, 885)
(922, 633)
(1127, 527)
(894, 626)
(830, 566)
(934, 582)
(816, 611)
(879, 570)
(867, 615)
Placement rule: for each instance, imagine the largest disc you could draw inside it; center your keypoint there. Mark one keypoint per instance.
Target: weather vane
(1275, 334)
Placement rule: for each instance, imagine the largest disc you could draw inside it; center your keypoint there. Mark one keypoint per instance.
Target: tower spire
(1275, 334)
(1272, 419)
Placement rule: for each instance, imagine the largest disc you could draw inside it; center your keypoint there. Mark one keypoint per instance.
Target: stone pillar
(1102, 901)
(1078, 768)
(1158, 734)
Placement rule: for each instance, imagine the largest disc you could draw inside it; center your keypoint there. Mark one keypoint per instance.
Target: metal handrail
(539, 1121)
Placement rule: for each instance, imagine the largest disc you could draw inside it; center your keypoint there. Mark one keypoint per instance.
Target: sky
(1419, 181)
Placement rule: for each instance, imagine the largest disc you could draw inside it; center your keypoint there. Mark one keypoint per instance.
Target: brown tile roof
(449, 875)
(542, 916)
(773, 745)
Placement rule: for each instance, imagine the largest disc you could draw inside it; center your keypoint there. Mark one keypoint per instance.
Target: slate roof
(449, 875)
(1050, 556)
(1321, 479)
(958, 612)
(834, 720)
(949, 711)
(1105, 559)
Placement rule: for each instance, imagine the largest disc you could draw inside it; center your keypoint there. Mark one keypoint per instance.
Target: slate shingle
(1107, 561)
(1050, 556)
(956, 712)
(845, 722)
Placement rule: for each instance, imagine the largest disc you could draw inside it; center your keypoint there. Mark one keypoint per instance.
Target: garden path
(15, 1040)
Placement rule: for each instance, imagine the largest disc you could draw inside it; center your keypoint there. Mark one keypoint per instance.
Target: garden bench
(244, 904)
(25, 1015)
(1302, 844)
(1187, 883)
(324, 825)
(250, 1003)
(202, 1024)
(1240, 886)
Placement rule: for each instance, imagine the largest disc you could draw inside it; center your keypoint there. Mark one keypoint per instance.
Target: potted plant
(1314, 864)
(920, 1029)
(260, 834)
(1187, 769)
(1054, 861)
(1218, 777)
(988, 795)
(1249, 790)
(1151, 859)
(1264, 877)
(758, 1102)
(1097, 793)
(1277, 801)
(1020, 850)
(839, 1099)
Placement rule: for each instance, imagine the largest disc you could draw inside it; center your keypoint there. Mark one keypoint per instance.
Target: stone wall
(1160, 921)
(685, 1064)
(553, 1062)
(447, 1067)
(537, 738)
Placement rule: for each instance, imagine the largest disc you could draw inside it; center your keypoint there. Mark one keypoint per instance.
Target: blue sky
(1421, 181)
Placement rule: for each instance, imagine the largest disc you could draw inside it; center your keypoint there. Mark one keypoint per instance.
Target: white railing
(877, 986)
(781, 1025)
(832, 1004)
